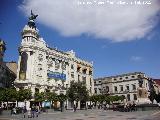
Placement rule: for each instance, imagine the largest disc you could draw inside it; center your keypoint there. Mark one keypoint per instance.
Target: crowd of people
(32, 112)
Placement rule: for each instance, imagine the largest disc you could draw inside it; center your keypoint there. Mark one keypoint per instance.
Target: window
(84, 71)
(78, 77)
(39, 67)
(133, 76)
(133, 87)
(63, 66)
(84, 79)
(95, 90)
(90, 72)
(36, 90)
(40, 57)
(126, 77)
(115, 88)
(134, 96)
(78, 69)
(120, 78)
(100, 91)
(121, 87)
(99, 81)
(90, 82)
(72, 75)
(115, 79)
(72, 66)
(128, 97)
(107, 89)
(57, 64)
(66, 85)
(127, 87)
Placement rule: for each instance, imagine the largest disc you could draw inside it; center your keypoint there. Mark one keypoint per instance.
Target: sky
(118, 37)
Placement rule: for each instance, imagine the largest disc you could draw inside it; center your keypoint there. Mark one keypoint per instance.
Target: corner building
(41, 68)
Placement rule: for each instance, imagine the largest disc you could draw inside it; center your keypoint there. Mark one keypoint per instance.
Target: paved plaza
(90, 115)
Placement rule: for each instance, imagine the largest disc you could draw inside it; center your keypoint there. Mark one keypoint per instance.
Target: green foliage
(77, 92)
(61, 98)
(152, 95)
(9, 94)
(24, 94)
(107, 99)
(50, 96)
(2, 94)
(158, 98)
(39, 97)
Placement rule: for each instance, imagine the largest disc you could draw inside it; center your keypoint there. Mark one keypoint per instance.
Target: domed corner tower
(30, 37)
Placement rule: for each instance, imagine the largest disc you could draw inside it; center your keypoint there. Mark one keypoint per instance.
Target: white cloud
(115, 22)
(136, 58)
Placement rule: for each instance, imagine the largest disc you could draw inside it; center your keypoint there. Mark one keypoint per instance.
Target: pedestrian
(24, 111)
(74, 108)
(33, 111)
(29, 113)
(37, 111)
(14, 110)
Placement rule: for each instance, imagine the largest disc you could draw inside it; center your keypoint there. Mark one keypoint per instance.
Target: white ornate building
(42, 68)
(127, 85)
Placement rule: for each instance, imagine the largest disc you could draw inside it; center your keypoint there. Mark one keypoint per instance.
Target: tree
(39, 97)
(77, 92)
(152, 95)
(9, 94)
(94, 98)
(158, 98)
(50, 96)
(23, 94)
(2, 94)
(61, 98)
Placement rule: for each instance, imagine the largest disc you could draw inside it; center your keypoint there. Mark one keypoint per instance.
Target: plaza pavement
(90, 115)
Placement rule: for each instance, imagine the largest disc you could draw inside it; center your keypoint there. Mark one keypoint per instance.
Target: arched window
(23, 66)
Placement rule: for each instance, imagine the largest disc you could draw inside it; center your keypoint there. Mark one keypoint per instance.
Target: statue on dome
(31, 22)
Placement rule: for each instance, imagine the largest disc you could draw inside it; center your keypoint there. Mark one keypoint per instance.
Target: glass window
(115, 88)
(95, 90)
(121, 87)
(72, 75)
(127, 87)
(63, 66)
(84, 79)
(133, 76)
(57, 65)
(72, 66)
(128, 97)
(134, 96)
(107, 88)
(100, 90)
(84, 71)
(134, 87)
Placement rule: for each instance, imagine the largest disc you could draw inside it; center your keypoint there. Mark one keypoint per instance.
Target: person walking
(24, 111)
(74, 108)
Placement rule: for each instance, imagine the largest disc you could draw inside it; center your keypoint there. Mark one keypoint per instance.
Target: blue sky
(113, 52)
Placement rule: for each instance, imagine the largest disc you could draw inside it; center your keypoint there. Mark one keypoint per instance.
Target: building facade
(41, 68)
(127, 85)
(7, 76)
